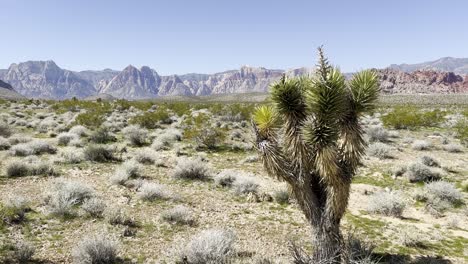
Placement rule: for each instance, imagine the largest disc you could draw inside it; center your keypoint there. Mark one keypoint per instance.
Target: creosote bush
(5, 130)
(377, 134)
(30, 167)
(152, 191)
(35, 147)
(94, 206)
(209, 246)
(65, 194)
(281, 196)
(128, 170)
(102, 136)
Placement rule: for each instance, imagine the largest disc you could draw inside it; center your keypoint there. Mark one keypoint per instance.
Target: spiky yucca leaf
(364, 87)
(288, 96)
(327, 98)
(266, 119)
(318, 133)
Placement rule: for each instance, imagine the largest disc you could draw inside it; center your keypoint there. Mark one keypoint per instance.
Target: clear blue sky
(208, 36)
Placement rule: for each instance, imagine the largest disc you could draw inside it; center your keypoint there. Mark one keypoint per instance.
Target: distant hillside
(447, 64)
(7, 92)
(44, 79)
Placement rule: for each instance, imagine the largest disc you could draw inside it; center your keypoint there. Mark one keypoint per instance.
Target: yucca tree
(311, 138)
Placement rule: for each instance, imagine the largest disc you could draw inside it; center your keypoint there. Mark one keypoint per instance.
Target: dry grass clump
(23, 251)
(4, 143)
(146, 156)
(209, 246)
(30, 167)
(136, 135)
(421, 145)
(379, 150)
(429, 161)
(65, 138)
(117, 216)
(409, 237)
(5, 130)
(165, 139)
(281, 196)
(179, 214)
(35, 147)
(65, 194)
(387, 203)
(70, 155)
(14, 210)
(245, 185)
(98, 248)
(128, 170)
(94, 206)
(439, 197)
(79, 130)
(191, 169)
(453, 148)
(226, 178)
(418, 172)
(377, 134)
(150, 191)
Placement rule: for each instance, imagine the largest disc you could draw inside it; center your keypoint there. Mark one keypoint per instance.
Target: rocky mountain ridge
(44, 79)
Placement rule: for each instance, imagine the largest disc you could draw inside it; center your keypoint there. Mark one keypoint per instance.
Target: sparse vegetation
(387, 203)
(191, 169)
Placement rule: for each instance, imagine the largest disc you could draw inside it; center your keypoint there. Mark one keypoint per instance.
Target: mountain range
(44, 79)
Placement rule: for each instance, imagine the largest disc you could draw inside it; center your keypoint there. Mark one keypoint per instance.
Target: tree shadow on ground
(406, 259)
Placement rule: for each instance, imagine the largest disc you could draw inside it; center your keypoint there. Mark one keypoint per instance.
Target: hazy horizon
(180, 37)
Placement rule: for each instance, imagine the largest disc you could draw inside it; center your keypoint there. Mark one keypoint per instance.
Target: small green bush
(99, 153)
(407, 117)
(91, 119)
(151, 120)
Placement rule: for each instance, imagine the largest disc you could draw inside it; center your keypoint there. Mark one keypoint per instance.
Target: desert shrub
(128, 170)
(65, 194)
(418, 172)
(226, 178)
(444, 191)
(152, 191)
(245, 185)
(178, 215)
(409, 237)
(99, 153)
(151, 120)
(379, 150)
(17, 139)
(64, 138)
(28, 168)
(35, 147)
(5, 130)
(79, 131)
(17, 169)
(429, 161)
(453, 148)
(116, 216)
(461, 130)
(191, 169)
(250, 159)
(94, 206)
(91, 119)
(136, 135)
(70, 155)
(45, 125)
(406, 117)
(421, 145)
(23, 252)
(387, 203)
(4, 143)
(13, 211)
(165, 139)
(210, 137)
(377, 134)
(102, 136)
(281, 196)
(209, 246)
(398, 170)
(146, 156)
(98, 249)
